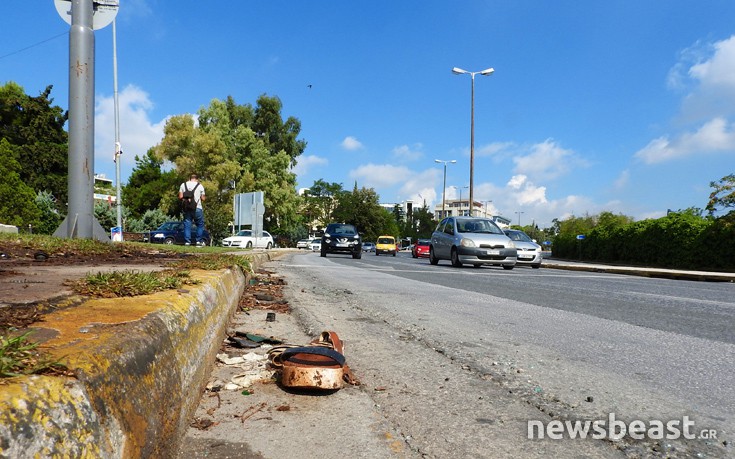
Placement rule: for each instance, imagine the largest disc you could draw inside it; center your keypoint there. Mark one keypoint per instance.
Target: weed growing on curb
(131, 283)
(19, 356)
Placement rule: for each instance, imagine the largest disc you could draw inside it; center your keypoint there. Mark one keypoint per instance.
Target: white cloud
(380, 175)
(714, 136)
(304, 163)
(622, 180)
(351, 144)
(406, 153)
(547, 160)
(498, 150)
(137, 132)
(719, 71)
(525, 192)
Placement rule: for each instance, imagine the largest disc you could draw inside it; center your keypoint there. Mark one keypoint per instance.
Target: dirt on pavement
(33, 282)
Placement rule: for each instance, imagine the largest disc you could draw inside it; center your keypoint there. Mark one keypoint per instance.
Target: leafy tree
(150, 220)
(319, 202)
(17, 200)
(35, 128)
(723, 194)
(279, 135)
(50, 218)
(362, 208)
(106, 215)
(223, 148)
(148, 185)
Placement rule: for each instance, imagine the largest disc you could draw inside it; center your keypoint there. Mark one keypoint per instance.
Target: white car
(246, 239)
(304, 244)
(529, 253)
(316, 245)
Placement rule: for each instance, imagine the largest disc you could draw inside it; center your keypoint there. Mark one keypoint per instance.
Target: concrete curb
(141, 364)
(706, 276)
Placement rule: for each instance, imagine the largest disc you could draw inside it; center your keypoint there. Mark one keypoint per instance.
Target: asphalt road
(520, 345)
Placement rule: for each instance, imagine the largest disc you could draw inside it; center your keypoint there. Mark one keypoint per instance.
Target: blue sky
(625, 106)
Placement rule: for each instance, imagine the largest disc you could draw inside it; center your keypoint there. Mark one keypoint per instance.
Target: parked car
(421, 248)
(173, 233)
(316, 245)
(529, 253)
(341, 238)
(304, 244)
(246, 239)
(472, 240)
(368, 247)
(386, 244)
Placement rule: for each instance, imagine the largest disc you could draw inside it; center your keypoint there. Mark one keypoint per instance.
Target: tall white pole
(118, 148)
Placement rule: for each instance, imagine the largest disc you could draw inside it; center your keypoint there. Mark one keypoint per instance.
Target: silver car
(529, 253)
(471, 240)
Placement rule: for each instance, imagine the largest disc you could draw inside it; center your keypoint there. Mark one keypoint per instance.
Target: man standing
(192, 190)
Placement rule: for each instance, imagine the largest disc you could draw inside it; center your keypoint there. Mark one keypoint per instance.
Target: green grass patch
(131, 283)
(213, 262)
(20, 356)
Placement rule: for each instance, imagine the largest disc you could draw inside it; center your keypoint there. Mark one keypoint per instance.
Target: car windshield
(518, 236)
(423, 242)
(344, 230)
(386, 240)
(477, 226)
(244, 233)
(316, 241)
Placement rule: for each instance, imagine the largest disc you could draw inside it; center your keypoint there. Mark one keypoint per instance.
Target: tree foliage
(250, 147)
(17, 200)
(362, 208)
(147, 186)
(35, 130)
(723, 194)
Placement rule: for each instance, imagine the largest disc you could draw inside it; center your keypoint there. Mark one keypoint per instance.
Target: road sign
(581, 236)
(102, 16)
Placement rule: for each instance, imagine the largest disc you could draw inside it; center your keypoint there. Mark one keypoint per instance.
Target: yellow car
(386, 244)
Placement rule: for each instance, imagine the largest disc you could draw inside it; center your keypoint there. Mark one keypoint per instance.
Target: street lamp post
(519, 218)
(460, 195)
(459, 71)
(486, 203)
(444, 190)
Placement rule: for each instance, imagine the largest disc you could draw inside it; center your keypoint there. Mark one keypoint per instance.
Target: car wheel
(323, 252)
(394, 254)
(357, 255)
(168, 241)
(508, 267)
(249, 245)
(376, 253)
(268, 246)
(432, 258)
(477, 265)
(455, 259)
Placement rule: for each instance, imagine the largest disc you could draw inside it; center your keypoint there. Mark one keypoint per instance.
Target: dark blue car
(173, 233)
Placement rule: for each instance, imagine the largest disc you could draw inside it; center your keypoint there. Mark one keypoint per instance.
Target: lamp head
(453, 161)
(458, 71)
(487, 71)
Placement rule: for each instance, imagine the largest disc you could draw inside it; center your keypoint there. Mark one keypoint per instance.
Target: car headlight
(467, 242)
(511, 245)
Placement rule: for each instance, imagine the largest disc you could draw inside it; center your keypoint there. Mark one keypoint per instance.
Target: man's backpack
(188, 203)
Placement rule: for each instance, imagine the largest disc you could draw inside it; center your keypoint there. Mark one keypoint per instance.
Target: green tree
(17, 200)
(723, 194)
(319, 202)
(223, 149)
(279, 135)
(362, 208)
(148, 185)
(35, 128)
(50, 218)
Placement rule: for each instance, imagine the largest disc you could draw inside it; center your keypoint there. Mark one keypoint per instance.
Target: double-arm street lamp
(444, 190)
(459, 71)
